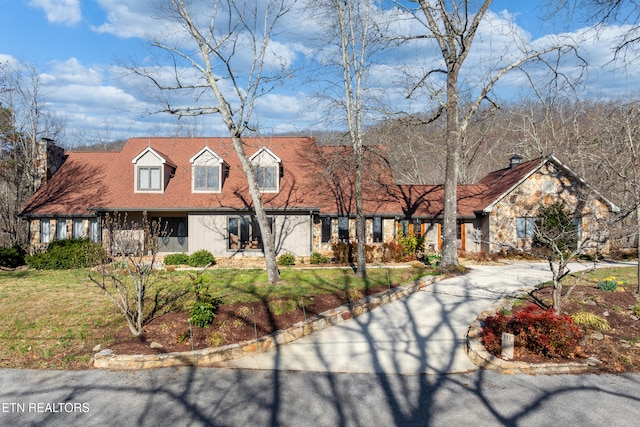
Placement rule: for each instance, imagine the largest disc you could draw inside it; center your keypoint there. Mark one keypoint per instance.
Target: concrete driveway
(421, 334)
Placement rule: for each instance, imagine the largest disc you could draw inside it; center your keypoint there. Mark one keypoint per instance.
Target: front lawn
(53, 319)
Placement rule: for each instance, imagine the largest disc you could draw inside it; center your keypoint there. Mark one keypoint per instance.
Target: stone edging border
(106, 359)
(485, 360)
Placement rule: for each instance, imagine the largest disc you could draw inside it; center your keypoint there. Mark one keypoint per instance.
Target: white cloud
(126, 18)
(106, 100)
(8, 60)
(65, 12)
(71, 71)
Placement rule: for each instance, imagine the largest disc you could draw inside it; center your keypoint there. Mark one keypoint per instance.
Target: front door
(174, 236)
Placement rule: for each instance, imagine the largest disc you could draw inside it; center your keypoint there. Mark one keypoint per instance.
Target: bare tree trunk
(352, 19)
(453, 26)
(449, 229)
(268, 242)
(235, 25)
(638, 242)
(361, 232)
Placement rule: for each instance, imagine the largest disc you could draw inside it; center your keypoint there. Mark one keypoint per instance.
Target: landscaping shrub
(286, 259)
(12, 257)
(540, 331)
(411, 244)
(346, 253)
(67, 254)
(317, 258)
(609, 284)
(176, 259)
(392, 252)
(343, 252)
(434, 259)
(203, 310)
(201, 258)
(584, 318)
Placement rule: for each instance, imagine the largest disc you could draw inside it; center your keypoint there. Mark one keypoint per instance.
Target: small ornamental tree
(557, 238)
(128, 274)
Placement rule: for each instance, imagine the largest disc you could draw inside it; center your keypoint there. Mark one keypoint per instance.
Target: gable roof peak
(206, 149)
(264, 149)
(163, 158)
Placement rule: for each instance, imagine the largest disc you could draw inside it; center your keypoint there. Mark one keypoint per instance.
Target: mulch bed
(233, 323)
(616, 348)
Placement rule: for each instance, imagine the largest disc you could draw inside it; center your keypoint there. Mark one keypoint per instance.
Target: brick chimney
(49, 158)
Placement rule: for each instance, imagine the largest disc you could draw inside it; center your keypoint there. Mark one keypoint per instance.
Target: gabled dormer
(152, 171)
(268, 169)
(208, 171)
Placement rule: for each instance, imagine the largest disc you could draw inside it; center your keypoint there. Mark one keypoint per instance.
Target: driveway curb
(106, 359)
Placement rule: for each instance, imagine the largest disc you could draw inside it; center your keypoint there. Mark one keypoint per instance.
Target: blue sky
(77, 47)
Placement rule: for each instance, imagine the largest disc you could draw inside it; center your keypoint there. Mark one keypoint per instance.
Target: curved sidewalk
(423, 333)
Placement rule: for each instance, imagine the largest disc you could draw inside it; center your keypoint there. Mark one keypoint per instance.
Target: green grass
(53, 319)
(628, 275)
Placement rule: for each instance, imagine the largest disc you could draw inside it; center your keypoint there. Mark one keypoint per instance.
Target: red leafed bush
(492, 331)
(540, 331)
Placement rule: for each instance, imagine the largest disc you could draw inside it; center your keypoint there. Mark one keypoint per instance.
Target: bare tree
(228, 44)
(620, 155)
(350, 28)
(127, 273)
(24, 121)
(454, 25)
(557, 238)
(603, 13)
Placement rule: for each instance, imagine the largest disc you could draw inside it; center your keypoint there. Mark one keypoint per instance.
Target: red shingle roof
(315, 178)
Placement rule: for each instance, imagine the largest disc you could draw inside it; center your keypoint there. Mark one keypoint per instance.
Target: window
(404, 227)
(266, 177)
(148, 178)
(244, 233)
(343, 228)
(577, 224)
(417, 228)
(525, 227)
(207, 178)
(377, 229)
(411, 227)
(61, 228)
(326, 229)
(45, 230)
(77, 228)
(94, 230)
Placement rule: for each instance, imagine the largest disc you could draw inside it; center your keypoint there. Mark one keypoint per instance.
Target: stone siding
(543, 188)
(388, 233)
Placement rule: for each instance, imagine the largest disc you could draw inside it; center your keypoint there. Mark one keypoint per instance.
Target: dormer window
(267, 167)
(148, 178)
(266, 177)
(207, 168)
(207, 178)
(152, 171)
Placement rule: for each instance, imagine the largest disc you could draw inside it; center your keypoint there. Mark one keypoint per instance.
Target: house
(196, 188)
